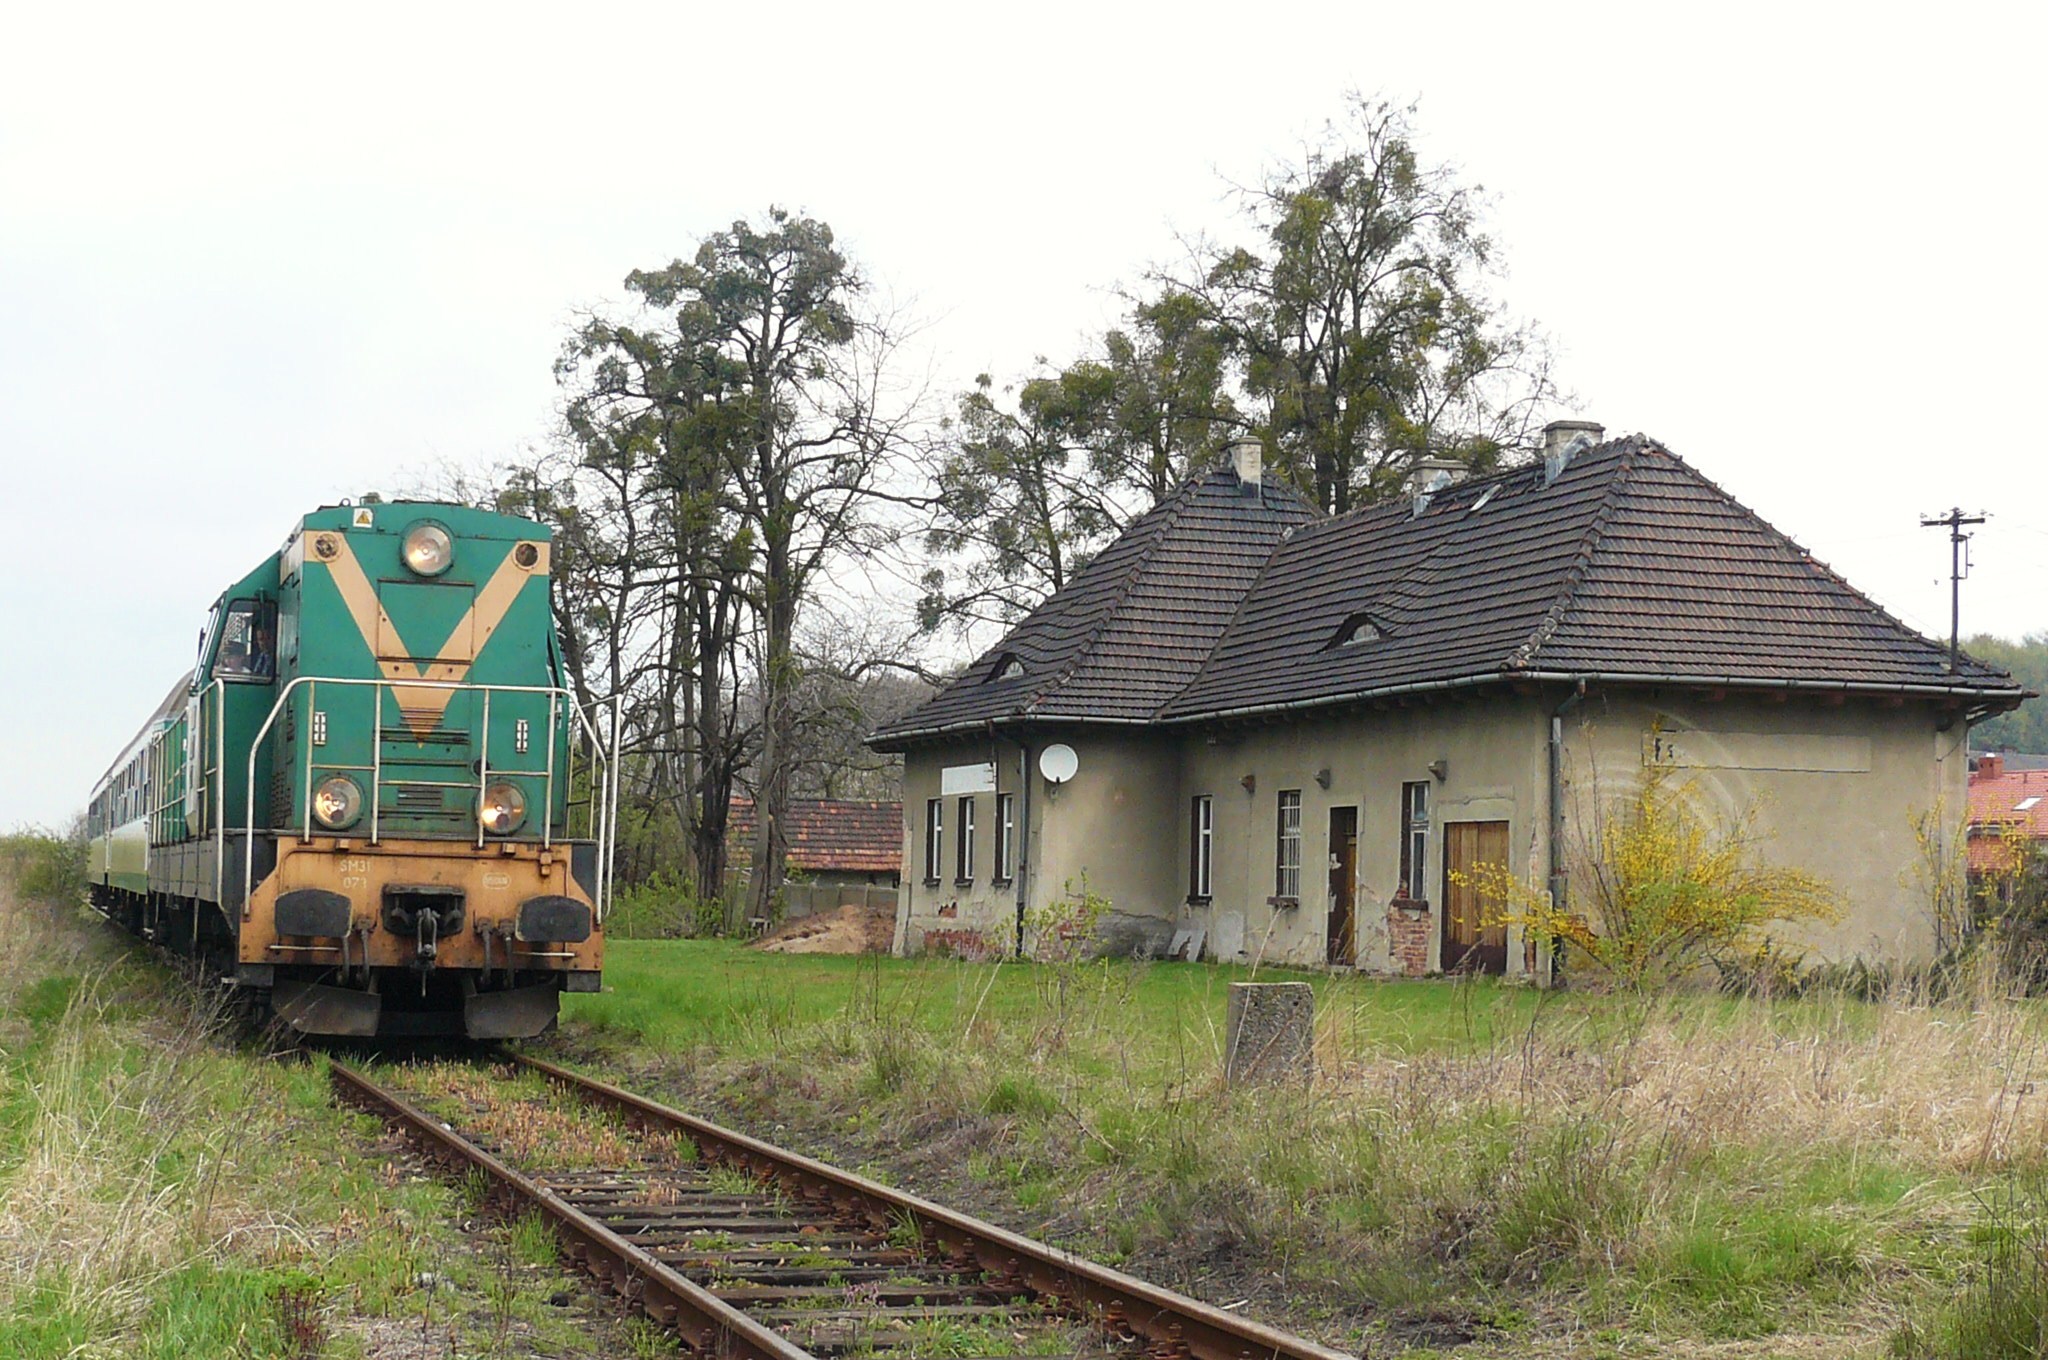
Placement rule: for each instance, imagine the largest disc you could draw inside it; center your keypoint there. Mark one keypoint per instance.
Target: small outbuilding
(842, 852)
(1294, 737)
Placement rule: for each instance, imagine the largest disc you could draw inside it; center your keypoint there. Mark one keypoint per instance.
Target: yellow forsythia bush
(1659, 887)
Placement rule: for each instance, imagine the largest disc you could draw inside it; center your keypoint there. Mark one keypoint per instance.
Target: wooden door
(1342, 933)
(1473, 939)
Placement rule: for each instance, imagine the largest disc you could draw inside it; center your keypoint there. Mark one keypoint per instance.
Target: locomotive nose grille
(421, 728)
(418, 800)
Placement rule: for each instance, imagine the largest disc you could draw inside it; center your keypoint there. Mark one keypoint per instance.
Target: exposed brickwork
(959, 944)
(1408, 931)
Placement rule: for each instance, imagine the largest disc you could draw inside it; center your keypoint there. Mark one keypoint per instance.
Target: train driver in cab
(261, 661)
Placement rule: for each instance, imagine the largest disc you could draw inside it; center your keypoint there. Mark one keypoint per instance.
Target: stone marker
(1271, 1032)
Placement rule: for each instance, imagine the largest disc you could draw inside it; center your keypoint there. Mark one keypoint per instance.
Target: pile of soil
(851, 929)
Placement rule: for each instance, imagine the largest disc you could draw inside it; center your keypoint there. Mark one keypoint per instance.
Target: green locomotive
(374, 805)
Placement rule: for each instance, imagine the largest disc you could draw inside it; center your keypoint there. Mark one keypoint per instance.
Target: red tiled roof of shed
(841, 835)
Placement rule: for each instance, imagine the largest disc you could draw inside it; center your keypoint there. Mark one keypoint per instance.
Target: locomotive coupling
(425, 913)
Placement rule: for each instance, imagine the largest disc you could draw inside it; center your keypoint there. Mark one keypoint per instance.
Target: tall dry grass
(1686, 1164)
(112, 1180)
(1955, 1086)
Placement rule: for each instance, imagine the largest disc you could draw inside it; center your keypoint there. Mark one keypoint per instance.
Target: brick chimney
(1431, 475)
(1990, 765)
(1248, 458)
(1564, 440)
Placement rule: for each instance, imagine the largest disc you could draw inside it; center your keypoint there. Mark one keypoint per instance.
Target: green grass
(1696, 1171)
(165, 1193)
(670, 993)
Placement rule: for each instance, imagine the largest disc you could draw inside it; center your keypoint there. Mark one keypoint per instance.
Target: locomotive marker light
(337, 803)
(502, 810)
(428, 549)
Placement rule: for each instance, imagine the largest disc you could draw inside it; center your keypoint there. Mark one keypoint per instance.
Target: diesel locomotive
(374, 805)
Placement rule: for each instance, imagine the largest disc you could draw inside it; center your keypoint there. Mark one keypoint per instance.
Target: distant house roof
(1628, 566)
(2021, 760)
(2008, 807)
(838, 835)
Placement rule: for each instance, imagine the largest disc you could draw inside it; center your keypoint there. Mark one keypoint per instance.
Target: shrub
(1062, 930)
(1663, 887)
(663, 906)
(1059, 936)
(44, 865)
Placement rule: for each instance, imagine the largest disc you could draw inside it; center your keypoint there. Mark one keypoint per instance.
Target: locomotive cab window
(247, 651)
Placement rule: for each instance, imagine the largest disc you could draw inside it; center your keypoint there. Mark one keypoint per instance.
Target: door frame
(1340, 937)
(1484, 955)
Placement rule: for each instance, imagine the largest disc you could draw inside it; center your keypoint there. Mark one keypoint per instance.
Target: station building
(1263, 733)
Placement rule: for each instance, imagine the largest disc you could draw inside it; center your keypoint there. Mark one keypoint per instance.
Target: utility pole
(1958, 568)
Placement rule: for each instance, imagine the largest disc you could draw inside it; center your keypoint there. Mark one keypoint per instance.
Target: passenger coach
(374, 804)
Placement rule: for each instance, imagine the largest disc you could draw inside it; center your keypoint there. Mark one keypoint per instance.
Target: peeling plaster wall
(1109, 827)
(1839, 788)
(1494, 757)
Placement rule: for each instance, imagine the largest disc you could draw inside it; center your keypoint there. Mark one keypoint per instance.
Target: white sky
(253, 260)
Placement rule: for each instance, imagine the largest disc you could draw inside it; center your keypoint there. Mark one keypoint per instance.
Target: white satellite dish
(1058, 762)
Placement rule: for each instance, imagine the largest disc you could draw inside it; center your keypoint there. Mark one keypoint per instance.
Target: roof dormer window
(1358, 630)
(1007, 667)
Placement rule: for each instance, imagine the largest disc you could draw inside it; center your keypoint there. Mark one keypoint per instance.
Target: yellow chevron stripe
(422, 708)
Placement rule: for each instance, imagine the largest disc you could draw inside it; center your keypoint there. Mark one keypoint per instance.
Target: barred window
(1201, 846)
(1415, 840)
(1287, 877)
(965, 867)
(1006, 836)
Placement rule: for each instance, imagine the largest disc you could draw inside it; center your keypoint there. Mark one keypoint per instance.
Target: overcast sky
(253, 260)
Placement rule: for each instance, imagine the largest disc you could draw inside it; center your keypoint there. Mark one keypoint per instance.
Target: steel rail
(707, 1323)
(1174, 1324)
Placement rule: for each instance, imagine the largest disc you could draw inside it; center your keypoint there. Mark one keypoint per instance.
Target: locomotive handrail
(219, 783)
(603, 816)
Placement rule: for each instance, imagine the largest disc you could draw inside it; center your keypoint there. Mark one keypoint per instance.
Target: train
(374, 807)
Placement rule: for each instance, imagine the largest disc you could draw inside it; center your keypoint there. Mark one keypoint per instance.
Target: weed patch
(163, 1194)
(1472, 1159)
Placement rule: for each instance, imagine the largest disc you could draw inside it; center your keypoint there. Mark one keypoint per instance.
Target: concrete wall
(945, 912)
(1110, 826)
(1493, 757)
(809, 898)
(1838, 790)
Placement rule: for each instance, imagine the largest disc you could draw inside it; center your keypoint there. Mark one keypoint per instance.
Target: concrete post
(1271, 1033)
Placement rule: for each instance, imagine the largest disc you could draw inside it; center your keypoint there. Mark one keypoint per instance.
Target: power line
(1958, 567)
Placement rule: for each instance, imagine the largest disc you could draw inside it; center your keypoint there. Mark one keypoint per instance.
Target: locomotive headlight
(427, 548)
(502, 810)
(337, 803)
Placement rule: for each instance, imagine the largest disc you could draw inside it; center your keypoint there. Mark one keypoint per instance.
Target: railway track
(750, 1252)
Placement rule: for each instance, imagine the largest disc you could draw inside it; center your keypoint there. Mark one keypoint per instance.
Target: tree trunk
(712, 788)
(771, 803)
